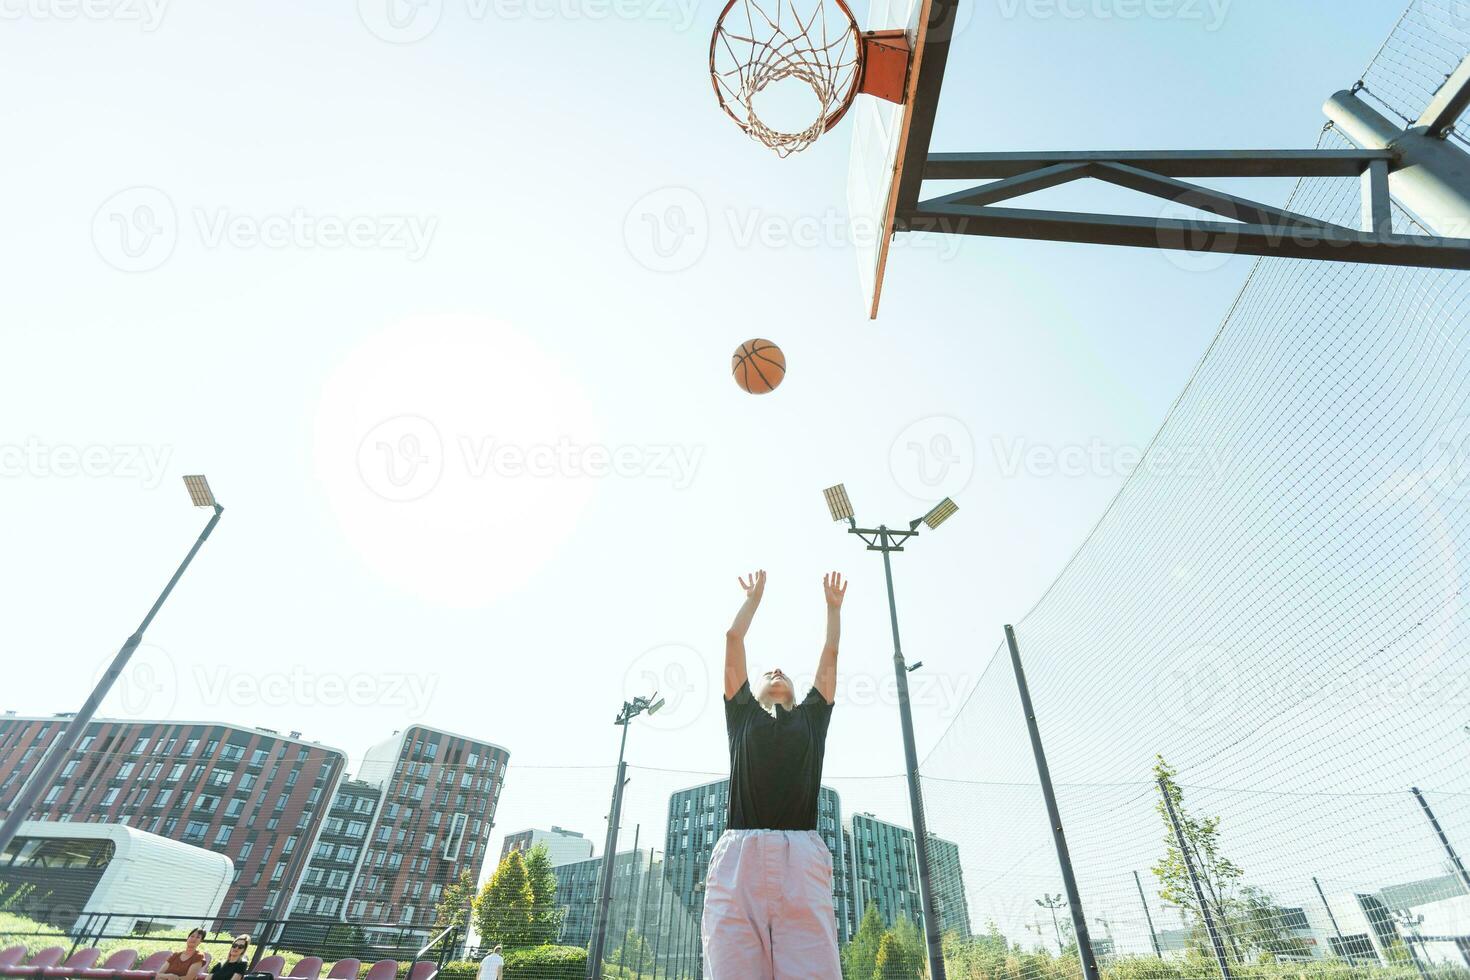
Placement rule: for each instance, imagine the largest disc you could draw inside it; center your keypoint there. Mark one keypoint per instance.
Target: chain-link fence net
(1272, 646)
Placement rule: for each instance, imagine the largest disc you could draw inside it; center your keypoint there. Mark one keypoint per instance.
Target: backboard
(890, 141)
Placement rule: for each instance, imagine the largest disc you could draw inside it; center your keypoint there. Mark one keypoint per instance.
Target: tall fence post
(1333, 919)
(1153, 937)
(1199, 895)
(1064, 857)
(1443, 840)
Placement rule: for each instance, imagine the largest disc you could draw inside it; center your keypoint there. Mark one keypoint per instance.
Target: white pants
(768, 912)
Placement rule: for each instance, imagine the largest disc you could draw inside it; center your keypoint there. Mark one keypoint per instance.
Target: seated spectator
(234, 964)
(185, 964)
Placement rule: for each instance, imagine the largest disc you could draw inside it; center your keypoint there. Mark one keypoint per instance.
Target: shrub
(546, 963)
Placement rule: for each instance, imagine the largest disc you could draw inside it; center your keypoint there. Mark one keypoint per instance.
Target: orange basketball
(758, 366)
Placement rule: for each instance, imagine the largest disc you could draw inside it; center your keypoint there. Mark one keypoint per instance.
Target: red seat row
(48, 965)
(123, 965)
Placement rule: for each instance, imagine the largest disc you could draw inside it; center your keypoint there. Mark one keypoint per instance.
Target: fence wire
(1270, 618)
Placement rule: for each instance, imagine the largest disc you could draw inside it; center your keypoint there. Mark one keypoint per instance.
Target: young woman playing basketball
(768, 911)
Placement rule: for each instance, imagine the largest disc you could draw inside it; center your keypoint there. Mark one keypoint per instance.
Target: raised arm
(735, 669)
(834, 587)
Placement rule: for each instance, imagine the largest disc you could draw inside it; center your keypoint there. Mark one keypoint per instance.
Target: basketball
(758, 366)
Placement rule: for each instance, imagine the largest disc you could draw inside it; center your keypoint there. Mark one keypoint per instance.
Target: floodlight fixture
(838, 503)
(937, 515)
(199, 493)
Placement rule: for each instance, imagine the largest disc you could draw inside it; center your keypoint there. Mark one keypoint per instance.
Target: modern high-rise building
(562, 846)
(339, 849)
(439, 794)
(948, 886)
(249, 793)
(577, 893)
(697, 818)
(884, 870)
(644, 904)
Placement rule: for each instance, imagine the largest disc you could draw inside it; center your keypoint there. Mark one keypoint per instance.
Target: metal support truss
(1415, 167)
(1252, 228)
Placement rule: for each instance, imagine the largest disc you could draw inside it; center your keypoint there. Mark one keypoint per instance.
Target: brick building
(439, 794)
(248, 793)
(373, 852)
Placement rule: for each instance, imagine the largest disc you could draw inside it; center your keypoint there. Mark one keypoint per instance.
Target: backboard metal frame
(933, 32)
(1421, 170)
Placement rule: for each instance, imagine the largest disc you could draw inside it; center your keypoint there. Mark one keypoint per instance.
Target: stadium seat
(146, 969)
(382, 970)
(345, 969)
(82, 959)
(274, 965)
(50, 956)
(423, 970)
(309, 968)
(120, 960)
(12, 955)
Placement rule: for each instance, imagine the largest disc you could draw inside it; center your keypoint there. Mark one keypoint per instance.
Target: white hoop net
(752, 49)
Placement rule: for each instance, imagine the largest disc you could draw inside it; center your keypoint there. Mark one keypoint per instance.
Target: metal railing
(446, 942)
(267, 935)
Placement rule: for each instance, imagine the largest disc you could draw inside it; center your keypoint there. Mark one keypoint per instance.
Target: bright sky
(483, 463)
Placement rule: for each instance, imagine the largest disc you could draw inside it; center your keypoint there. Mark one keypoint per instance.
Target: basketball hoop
(751, 49)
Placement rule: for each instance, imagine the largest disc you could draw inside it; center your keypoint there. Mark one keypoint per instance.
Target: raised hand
(835, 587)
(753, 586)
(756, 587)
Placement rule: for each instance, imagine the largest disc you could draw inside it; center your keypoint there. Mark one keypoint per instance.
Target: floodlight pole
(887, 540)
(631, 709)
(1153, 937)
(1341, 943)
(1085, 954)
(1216, 944)
(62, 746)
(1444, 841)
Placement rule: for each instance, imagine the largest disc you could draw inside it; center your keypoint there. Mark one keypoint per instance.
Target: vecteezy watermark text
(147, 14)
(409, 21)
(34, 458)
(1208, 13)
(669, 230)
(1017, 456)
(138, 228)
(403, 458)
(299, 228)
(300, 686)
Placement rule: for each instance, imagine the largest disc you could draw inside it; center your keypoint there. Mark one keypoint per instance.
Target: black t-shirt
(775, 762)
(225, 970)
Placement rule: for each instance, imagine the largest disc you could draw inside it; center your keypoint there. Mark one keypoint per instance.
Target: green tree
(455, 904)
(1219, 877)
(899, 956)
(910, 946)
(546, 918)
(860, 956)
(632, 954)
(505, 910)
